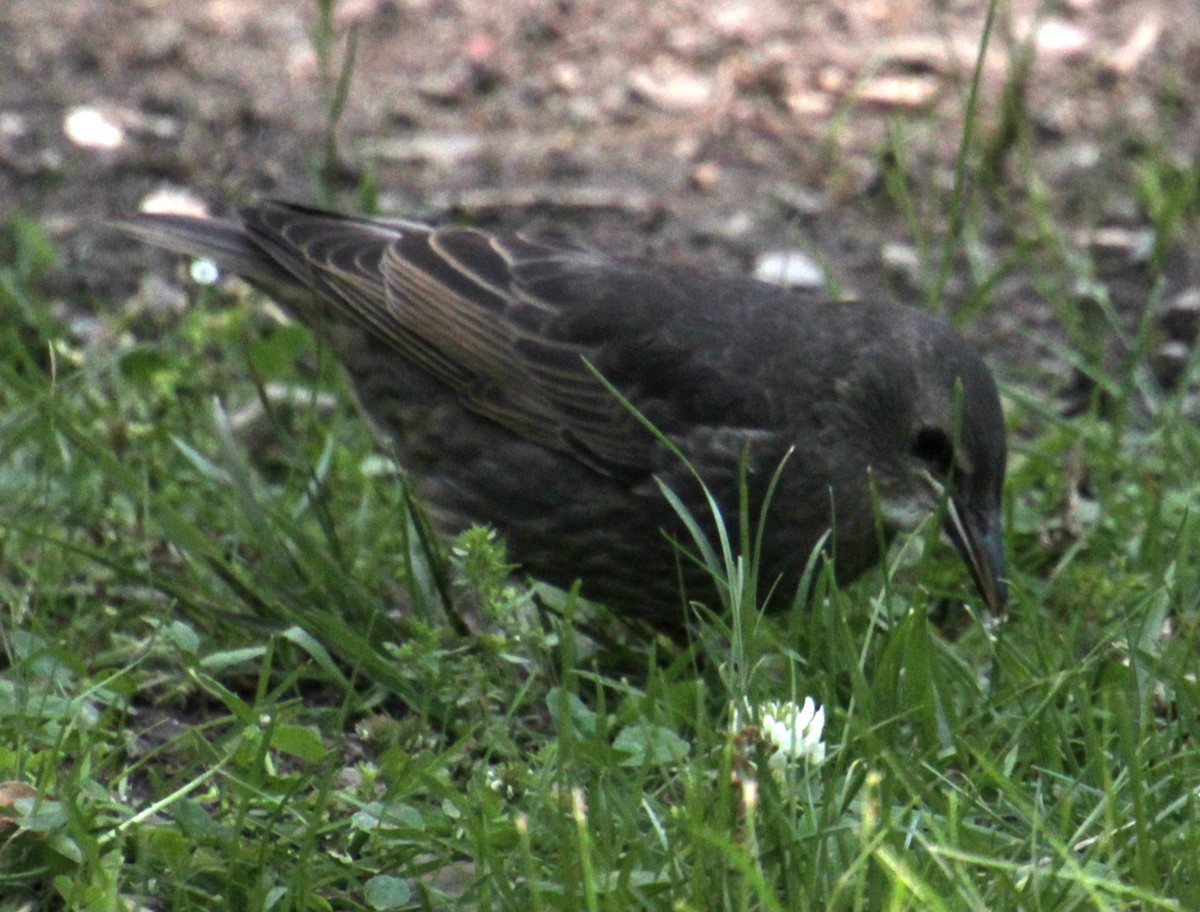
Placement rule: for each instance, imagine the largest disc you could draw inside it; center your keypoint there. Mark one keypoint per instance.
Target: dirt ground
(708, 132)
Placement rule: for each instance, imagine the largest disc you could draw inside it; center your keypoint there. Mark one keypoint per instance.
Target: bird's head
(924, 406)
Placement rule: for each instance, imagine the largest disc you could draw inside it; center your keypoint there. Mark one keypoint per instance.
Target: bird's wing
(512, 325)
(334, 267)
(516, 327)
(474, 298)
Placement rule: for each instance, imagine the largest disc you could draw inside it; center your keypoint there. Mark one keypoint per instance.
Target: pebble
(1169, 362)
(1180, 319)
(792, 268)
(902, 261)
(1061, 39)
(438, 149)
(705, 176)
(798, 200)
(173, 201)
(91, 128)
(1135, 244)
(1129, 56)
(668, 86)
(897, 92)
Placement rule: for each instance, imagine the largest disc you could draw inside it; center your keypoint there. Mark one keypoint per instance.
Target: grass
(232, 677)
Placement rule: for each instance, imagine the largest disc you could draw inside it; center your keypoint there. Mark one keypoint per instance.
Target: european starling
(478, 356)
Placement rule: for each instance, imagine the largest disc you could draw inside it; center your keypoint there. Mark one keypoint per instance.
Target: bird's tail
(226, 243)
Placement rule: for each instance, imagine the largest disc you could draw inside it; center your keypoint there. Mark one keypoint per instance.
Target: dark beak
(979, 538)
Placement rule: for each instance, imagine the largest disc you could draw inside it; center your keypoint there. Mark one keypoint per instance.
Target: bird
(581, 403)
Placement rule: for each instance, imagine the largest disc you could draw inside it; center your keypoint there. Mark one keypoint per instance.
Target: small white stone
(901, 92)
(1058, 38)
(92, 129)
(204, 271)
(172, 201)
(790, 268)
(12, 125)
(669, 86)
(901, 260)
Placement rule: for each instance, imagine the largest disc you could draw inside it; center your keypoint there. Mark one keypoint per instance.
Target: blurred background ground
(715, 133)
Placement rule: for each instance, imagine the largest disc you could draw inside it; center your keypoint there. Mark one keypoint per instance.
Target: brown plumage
(476, 355)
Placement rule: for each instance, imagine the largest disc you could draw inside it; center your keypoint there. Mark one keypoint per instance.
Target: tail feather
(225, 242)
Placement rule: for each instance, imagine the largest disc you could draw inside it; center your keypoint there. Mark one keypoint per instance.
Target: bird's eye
(934, 448)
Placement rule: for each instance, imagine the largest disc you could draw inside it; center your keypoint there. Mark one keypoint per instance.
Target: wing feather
(509, 323)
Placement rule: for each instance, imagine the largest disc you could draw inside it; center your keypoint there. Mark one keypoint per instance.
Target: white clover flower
(795, 731)
(494, 780)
